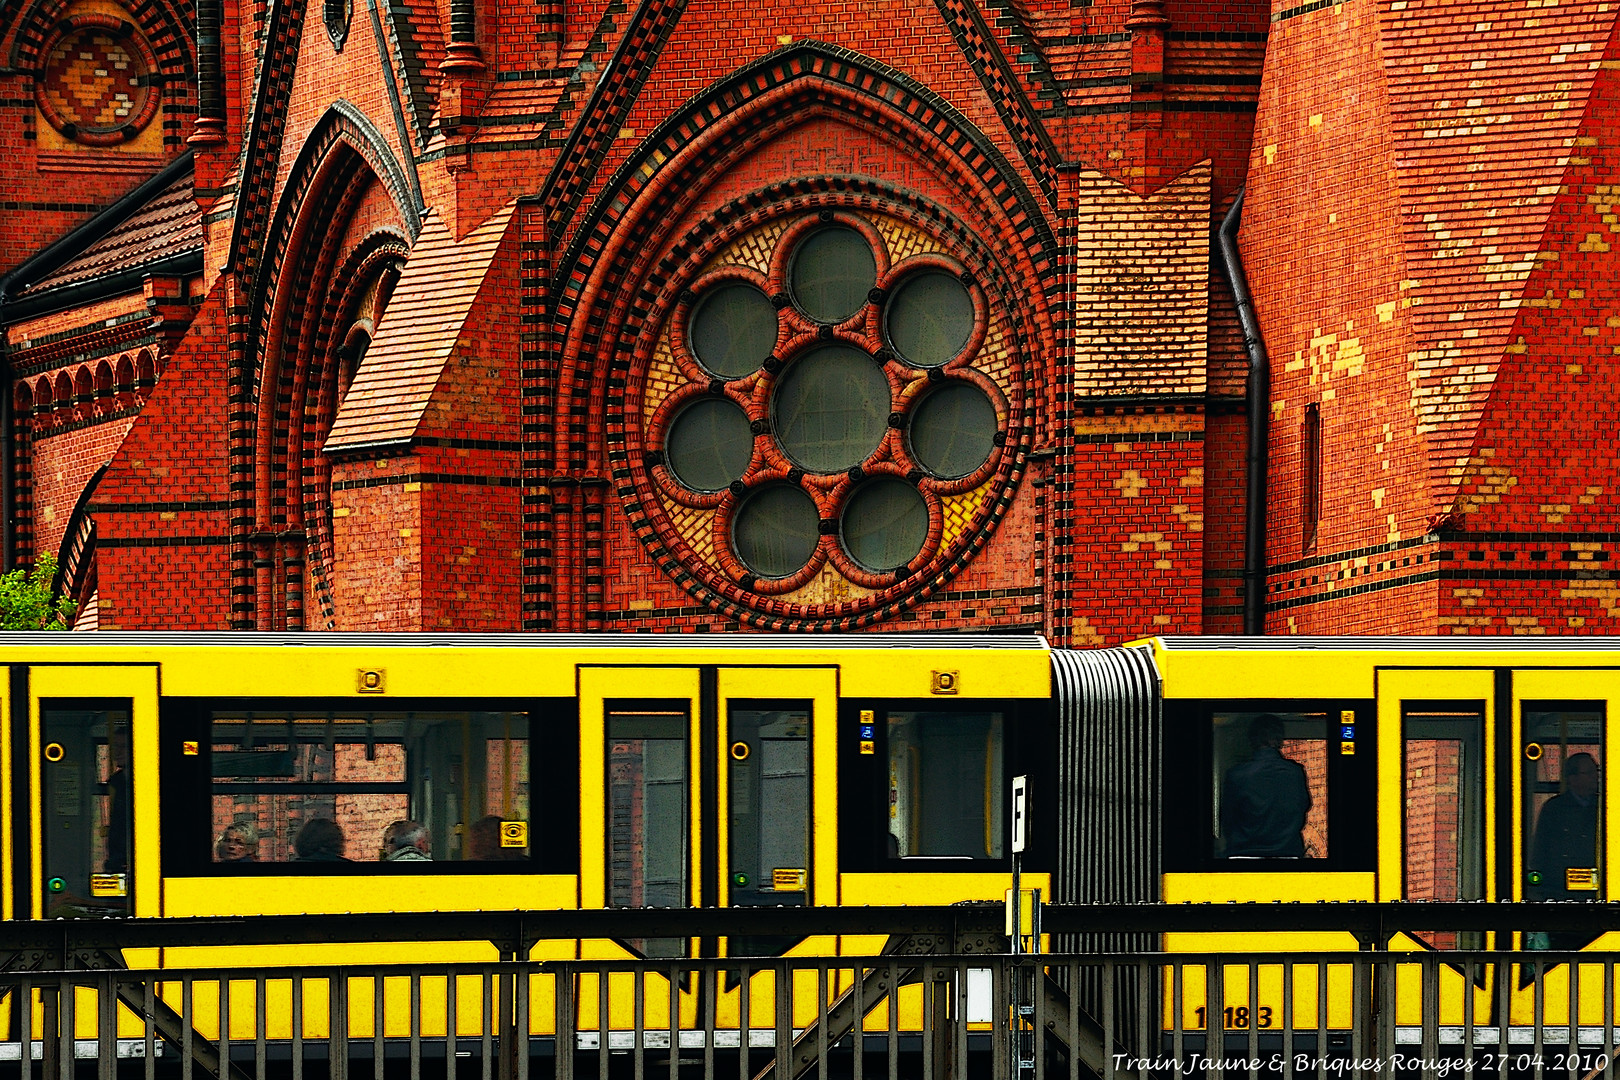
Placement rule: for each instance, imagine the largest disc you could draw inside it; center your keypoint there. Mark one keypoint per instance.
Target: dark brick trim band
(183, 506)
(425, 479)
(161, 541)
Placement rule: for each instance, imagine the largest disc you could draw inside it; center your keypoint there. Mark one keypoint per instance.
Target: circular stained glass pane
(709, 444)
(775, 530)
(732, 330)
(953, 430)
(833, 270)
(929, 319)
(830, 409)
(885, 524)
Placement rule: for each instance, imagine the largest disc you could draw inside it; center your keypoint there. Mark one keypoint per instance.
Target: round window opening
(709, 444)
(96, 85)
(885, 524)
(775, 530)
(953, 431)
(930, 319)
(830, 409)
(832, 274)
(732, 330)
(834, 470)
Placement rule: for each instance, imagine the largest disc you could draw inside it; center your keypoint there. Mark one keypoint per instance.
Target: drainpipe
(1259, 409)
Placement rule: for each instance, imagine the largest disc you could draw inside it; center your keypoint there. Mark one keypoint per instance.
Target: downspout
(1258, 397)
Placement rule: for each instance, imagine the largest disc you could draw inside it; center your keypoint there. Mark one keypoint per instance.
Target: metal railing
(946, 999)
(1323, 1015)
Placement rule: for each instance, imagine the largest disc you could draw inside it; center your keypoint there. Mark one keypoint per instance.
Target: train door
(1562, 842)
(1437, 790)
(702, 787)
(93, 844)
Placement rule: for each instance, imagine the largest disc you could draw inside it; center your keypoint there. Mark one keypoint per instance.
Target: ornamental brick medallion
(97, 84)
(829, 420)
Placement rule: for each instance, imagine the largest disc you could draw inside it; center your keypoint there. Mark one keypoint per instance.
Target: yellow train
(186, 776)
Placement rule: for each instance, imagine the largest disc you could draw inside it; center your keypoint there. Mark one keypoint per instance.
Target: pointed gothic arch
(656, 222)
(316, 279)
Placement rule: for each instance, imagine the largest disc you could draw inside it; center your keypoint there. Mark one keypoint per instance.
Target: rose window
(826, 413)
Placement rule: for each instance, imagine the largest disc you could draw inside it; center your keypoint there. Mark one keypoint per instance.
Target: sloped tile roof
(168, 224)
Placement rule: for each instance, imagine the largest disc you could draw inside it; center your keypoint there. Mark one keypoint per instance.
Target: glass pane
(769, 804)
(732, 330)
(885, 524)
(953, 430)
(397, 787)
(832, 272)
(1444, 792)
(945, 785)
(830, 409)
(1271, 800)
(1563, 810)
(929, 319)
(709, 444)
(87, 826)
(775, 530)
(647, 815)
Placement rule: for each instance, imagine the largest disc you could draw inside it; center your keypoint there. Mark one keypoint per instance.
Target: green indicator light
(1535, 877)
(56, 884)
(740, 879)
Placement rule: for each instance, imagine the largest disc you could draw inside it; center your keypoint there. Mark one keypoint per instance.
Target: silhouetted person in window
(407, 841)
(1264, 800)
(118, 810)
(1566, 838)
(320, 840)
(484, 842)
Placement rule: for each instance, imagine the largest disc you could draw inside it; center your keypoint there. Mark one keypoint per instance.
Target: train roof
(606, 640)
(1388, 643)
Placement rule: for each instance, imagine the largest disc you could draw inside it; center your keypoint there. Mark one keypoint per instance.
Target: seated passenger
(238, 843)
(407, 841)
(484, 842)
(320, 840)
(1265, 800)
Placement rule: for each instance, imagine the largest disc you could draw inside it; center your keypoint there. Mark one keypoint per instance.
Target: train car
(1433, 769)
(194, 776)
(175, 776)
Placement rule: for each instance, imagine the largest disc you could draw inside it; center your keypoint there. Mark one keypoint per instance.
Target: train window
(648, 802)
(87, 831)
(1271, 785)
(1444, 808)
(945, 785)
(1563, 814)
(314, 787)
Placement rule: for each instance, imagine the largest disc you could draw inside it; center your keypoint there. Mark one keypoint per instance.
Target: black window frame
(187, 786)
(1189, 779)
(1028, 742)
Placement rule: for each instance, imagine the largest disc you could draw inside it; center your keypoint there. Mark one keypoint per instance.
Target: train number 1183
(1236, 1016)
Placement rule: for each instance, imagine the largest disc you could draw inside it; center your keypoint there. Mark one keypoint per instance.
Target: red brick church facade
(522, 315)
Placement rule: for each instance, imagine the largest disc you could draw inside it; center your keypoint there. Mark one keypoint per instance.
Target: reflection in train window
(1443, 791)
(1271, 785)
(647, 808)
(344, 787)
(945, 785)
